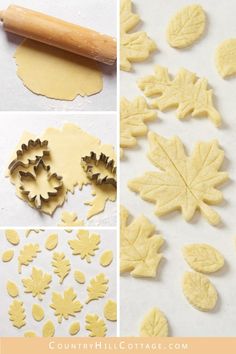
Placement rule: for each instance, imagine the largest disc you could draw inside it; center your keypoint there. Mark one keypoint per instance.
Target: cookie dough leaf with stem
(85, 244)
(184, 183)
(133, 118)
(97, 287)
(189, 94)
(225, 58)
(95, 325)
(186, 27)
(134, 47)
(139, 246)
(17, 314)
(38, 283)
(27, 255)
(154, 324)
(61, 265)
(65, 305)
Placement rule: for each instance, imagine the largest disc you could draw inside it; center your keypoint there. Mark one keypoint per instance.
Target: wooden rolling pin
(58, 33)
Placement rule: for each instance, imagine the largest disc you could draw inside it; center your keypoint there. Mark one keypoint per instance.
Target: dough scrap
(37, 312)
(139, 247)
(106, 258)
(185, 183)
(95, 325)
(55, 73)
(67, 146)
(134, 47)
(74, 328)
(17, 314)
(110, 310)
(27, 255)
(97, 287)
(61, 265)
(38, 283)
(186, 26)
(48, 329)
(79, 277)
(7, 255)
(203, 258)
(12, 289)
(133, 118)
(199, 291)
(29, 231)
(154, 324)
(85, 244)
(189, 94)
(12, 237)
(225, 58)
(51, 242)
(70, 219)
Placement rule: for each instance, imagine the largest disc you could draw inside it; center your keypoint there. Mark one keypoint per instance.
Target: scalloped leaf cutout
(97, 287)
(225, 58)
(85, 244)
(95, 325)
(61, 265)
(38, 283)
(27, 255)
(154, 324)
(17, 314)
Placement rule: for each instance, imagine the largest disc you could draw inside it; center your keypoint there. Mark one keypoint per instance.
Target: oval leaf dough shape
(186, 26)
(79, 277)
(12, 289)
(55, 73)
(51, 242)
(154, 324)
(37, 312)
(203, 258)
(106, 258)
(7, 256)
(12, 237)
(74, 328)
(225, 58)
(199, 291)
(110, 310)
(48, 329)
(30, 334)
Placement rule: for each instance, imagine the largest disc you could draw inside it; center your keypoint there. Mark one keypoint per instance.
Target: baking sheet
(97, 14)
(15, 212)
(138, 296)
(43, 262)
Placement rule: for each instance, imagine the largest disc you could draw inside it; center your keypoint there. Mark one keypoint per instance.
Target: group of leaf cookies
(65, 304)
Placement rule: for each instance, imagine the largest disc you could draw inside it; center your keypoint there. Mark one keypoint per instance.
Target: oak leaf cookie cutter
(89, 163)
(26, 148)
(43, 195)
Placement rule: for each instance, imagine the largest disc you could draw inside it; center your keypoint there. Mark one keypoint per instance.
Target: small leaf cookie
(110, 310)
(51, 242)
(12, 289)
(7, 255)
(106, 258)
(199, 291)
(79, 277)
(61, 265)
(27, 255)
(85, 244)
(37, 312)
(38, 283)
(203, 258)
(12, 237)
(48, 329)
(186, 26)
(95, 325)
(154, 324)
(17, 314)
(29, 334)
(74, 328)
(225, 58)
(97, 287)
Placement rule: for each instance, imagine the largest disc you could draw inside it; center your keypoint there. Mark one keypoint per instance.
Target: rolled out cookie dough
(55, 73)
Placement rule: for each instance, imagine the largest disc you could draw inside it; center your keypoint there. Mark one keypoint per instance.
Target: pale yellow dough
(48, 329)
(225, 58)
(79, 277)
(154, 324)
(27, 255)
(95, 325)
(51, 242)
(203, 258)
(38, 283)
(61, 265)
(110, 310)
(199, 291)
(186, 26)
(74, 328)
(17, 314)
(97, 287)
(12, 237)
(12, 289)
(106, 258)
(54, 73)
(7, 255)
(37, 312)
(70, 219)
(85, 244)
(30, 334)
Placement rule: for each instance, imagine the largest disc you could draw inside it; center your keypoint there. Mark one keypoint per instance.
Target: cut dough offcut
(55, 73)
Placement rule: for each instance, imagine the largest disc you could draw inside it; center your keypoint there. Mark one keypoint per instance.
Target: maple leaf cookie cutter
(89, 163)
(25, 148)
(38, 198)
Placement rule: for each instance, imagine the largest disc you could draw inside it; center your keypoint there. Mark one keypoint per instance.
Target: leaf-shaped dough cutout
(85, 244)
(7, 255)
(97, 287)
(110, 310)
(48, 329)
(65, 305)
(79, 277)
(27, 255)
(51, 242)
(154, 324)
(95, 325)
(38, 283)
(12, 289)
(74, 328)
(37, 312)
(203, 258)
(29, 334)
(61, 265)
(186, 26)
(17, 314)
(225, 58)
(199, 291)
(106, 258)
(12, 237)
